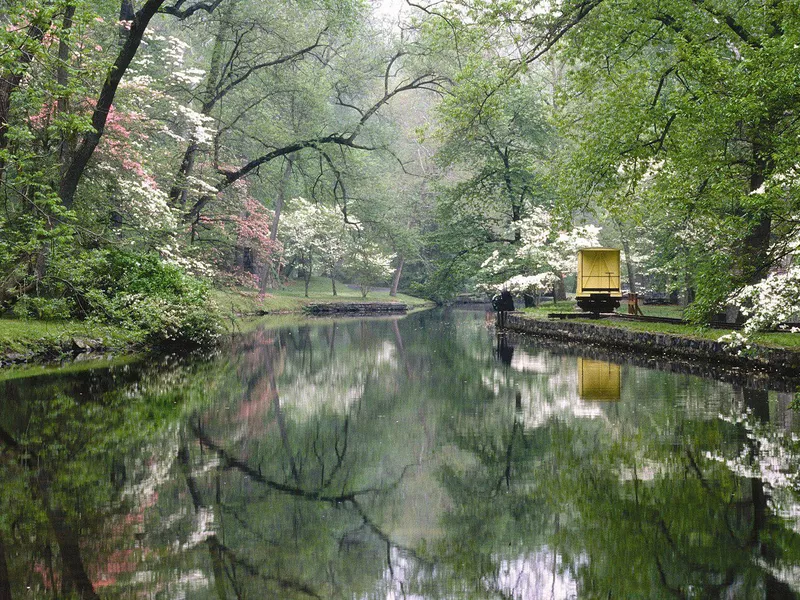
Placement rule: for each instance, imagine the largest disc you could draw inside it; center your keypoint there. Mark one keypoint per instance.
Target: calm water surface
(415, 458)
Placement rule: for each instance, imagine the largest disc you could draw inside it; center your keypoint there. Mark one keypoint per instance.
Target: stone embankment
(777, 360)
(51, 350)
(356, 308)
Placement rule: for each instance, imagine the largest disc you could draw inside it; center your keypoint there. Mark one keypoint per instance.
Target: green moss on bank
(29, 338)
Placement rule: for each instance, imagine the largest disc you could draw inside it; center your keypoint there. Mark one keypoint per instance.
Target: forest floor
(776, 340)
(25, 340)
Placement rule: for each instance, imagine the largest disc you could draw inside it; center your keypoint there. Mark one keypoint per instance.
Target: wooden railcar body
(599, 286)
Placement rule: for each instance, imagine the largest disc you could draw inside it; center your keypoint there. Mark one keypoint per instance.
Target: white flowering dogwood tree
(544, 256)
(314, 236)
(367, 265)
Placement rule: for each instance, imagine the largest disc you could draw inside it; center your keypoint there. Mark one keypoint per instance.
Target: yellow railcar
(599, 283)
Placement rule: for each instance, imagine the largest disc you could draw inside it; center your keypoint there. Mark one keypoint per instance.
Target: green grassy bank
(290, 298)
(23, 340)
(776, 340)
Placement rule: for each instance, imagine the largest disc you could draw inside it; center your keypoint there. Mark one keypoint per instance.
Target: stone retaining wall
(356, 308)
(760, 357)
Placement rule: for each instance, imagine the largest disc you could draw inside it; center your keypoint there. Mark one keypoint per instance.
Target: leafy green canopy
(686, 111)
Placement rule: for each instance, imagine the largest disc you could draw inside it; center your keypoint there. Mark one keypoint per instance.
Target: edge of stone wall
(358, 308)
(777, 360)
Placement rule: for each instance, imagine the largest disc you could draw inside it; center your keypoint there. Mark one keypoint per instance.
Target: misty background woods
(152, 151)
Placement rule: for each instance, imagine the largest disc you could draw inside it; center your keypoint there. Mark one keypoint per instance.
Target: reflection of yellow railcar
(599, 285)
(598, 380)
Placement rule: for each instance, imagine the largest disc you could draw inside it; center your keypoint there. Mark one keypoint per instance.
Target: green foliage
(140, 291)
(679, 117)
(367, 266)
(159, 302)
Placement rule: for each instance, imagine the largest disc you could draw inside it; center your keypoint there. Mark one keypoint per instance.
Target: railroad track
(643, 318)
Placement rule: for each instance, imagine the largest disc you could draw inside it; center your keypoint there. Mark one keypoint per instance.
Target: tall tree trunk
(126, 14)
(333, 284)
(62, 79)
(307, 276)
(5, 583)
(516, 205)
(85, 150)
(280, 199)
(281, 196)
(397, 273)
(626, 249)
(180, 187)
(559, 289)
(755, 258)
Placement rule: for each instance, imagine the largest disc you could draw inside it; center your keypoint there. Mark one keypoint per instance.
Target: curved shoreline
(52, 349)
(765, 359)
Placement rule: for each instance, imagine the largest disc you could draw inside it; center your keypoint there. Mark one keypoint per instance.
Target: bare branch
(177, 10)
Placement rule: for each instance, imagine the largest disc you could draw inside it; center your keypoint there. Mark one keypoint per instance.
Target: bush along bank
(778, 360)
(111, 299)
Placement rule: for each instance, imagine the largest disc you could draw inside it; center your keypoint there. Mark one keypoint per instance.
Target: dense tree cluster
(188, 132)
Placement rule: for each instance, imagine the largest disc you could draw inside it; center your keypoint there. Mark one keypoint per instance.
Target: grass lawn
(291, 297)
(780, 340)
(29, 337)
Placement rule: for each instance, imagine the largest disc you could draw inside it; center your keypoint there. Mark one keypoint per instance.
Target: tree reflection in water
(422, 458)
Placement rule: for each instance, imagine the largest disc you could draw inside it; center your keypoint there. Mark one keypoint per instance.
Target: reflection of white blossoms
(338, 387)
(203, 528)
(537, 575)
(532, 576)
(335, 394)
(771, 456)
(548, 388)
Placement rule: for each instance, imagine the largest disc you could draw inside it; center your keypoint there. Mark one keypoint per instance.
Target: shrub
(138, 291)
(157, 302)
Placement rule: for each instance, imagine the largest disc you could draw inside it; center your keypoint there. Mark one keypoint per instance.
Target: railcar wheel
(598, 305)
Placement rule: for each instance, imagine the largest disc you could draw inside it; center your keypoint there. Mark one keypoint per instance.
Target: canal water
(423, 457)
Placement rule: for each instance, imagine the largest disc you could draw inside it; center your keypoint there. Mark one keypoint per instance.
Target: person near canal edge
(502, 303)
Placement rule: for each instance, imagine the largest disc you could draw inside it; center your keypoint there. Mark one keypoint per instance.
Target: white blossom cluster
(310, 229)
(146, 203)
(781, 181)
(176, 49)
(771, 301)
(171, 254)
(556, 251)
(197, 124)
(377, 262)
(544, 251)
(190, 77)
(199, 185)
(495, 265)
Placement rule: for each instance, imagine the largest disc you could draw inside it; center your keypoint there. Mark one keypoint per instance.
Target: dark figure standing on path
(502, 303)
